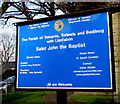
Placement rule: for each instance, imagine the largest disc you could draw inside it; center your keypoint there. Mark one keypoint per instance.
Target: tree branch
(7, 45)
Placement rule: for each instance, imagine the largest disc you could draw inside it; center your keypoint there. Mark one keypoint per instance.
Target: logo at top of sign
(58, 25)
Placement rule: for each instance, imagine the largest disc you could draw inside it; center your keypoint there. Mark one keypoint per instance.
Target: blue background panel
(86, 67)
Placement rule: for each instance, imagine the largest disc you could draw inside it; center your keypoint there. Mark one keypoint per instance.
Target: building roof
(7, 65)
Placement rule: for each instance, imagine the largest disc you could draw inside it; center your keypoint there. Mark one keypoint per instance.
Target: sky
(10, 28)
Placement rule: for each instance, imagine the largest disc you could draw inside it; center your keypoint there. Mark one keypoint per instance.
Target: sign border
(68, 16)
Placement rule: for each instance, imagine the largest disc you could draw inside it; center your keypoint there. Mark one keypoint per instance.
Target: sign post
(66, 52)
(61, 97)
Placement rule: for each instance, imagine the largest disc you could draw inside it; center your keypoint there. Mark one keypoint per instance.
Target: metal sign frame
(64, 17)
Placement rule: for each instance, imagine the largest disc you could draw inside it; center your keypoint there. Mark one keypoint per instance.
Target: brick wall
(116, 41)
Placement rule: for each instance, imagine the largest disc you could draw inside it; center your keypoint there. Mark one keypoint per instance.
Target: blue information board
(69, 53)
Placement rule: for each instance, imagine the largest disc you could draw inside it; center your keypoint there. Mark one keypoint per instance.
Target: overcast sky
(10, 28)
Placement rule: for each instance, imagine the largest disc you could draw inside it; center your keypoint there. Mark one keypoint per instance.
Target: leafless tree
(7, 48)
(28, 10)
(25, 9)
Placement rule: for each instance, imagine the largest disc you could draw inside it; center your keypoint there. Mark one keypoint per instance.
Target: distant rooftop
(7, 65)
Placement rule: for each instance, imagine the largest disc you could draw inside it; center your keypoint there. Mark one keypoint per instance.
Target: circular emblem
(58, 25)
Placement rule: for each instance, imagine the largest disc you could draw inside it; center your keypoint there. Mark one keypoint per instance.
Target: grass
(92, 99)
(25, 97)
(36, 98)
